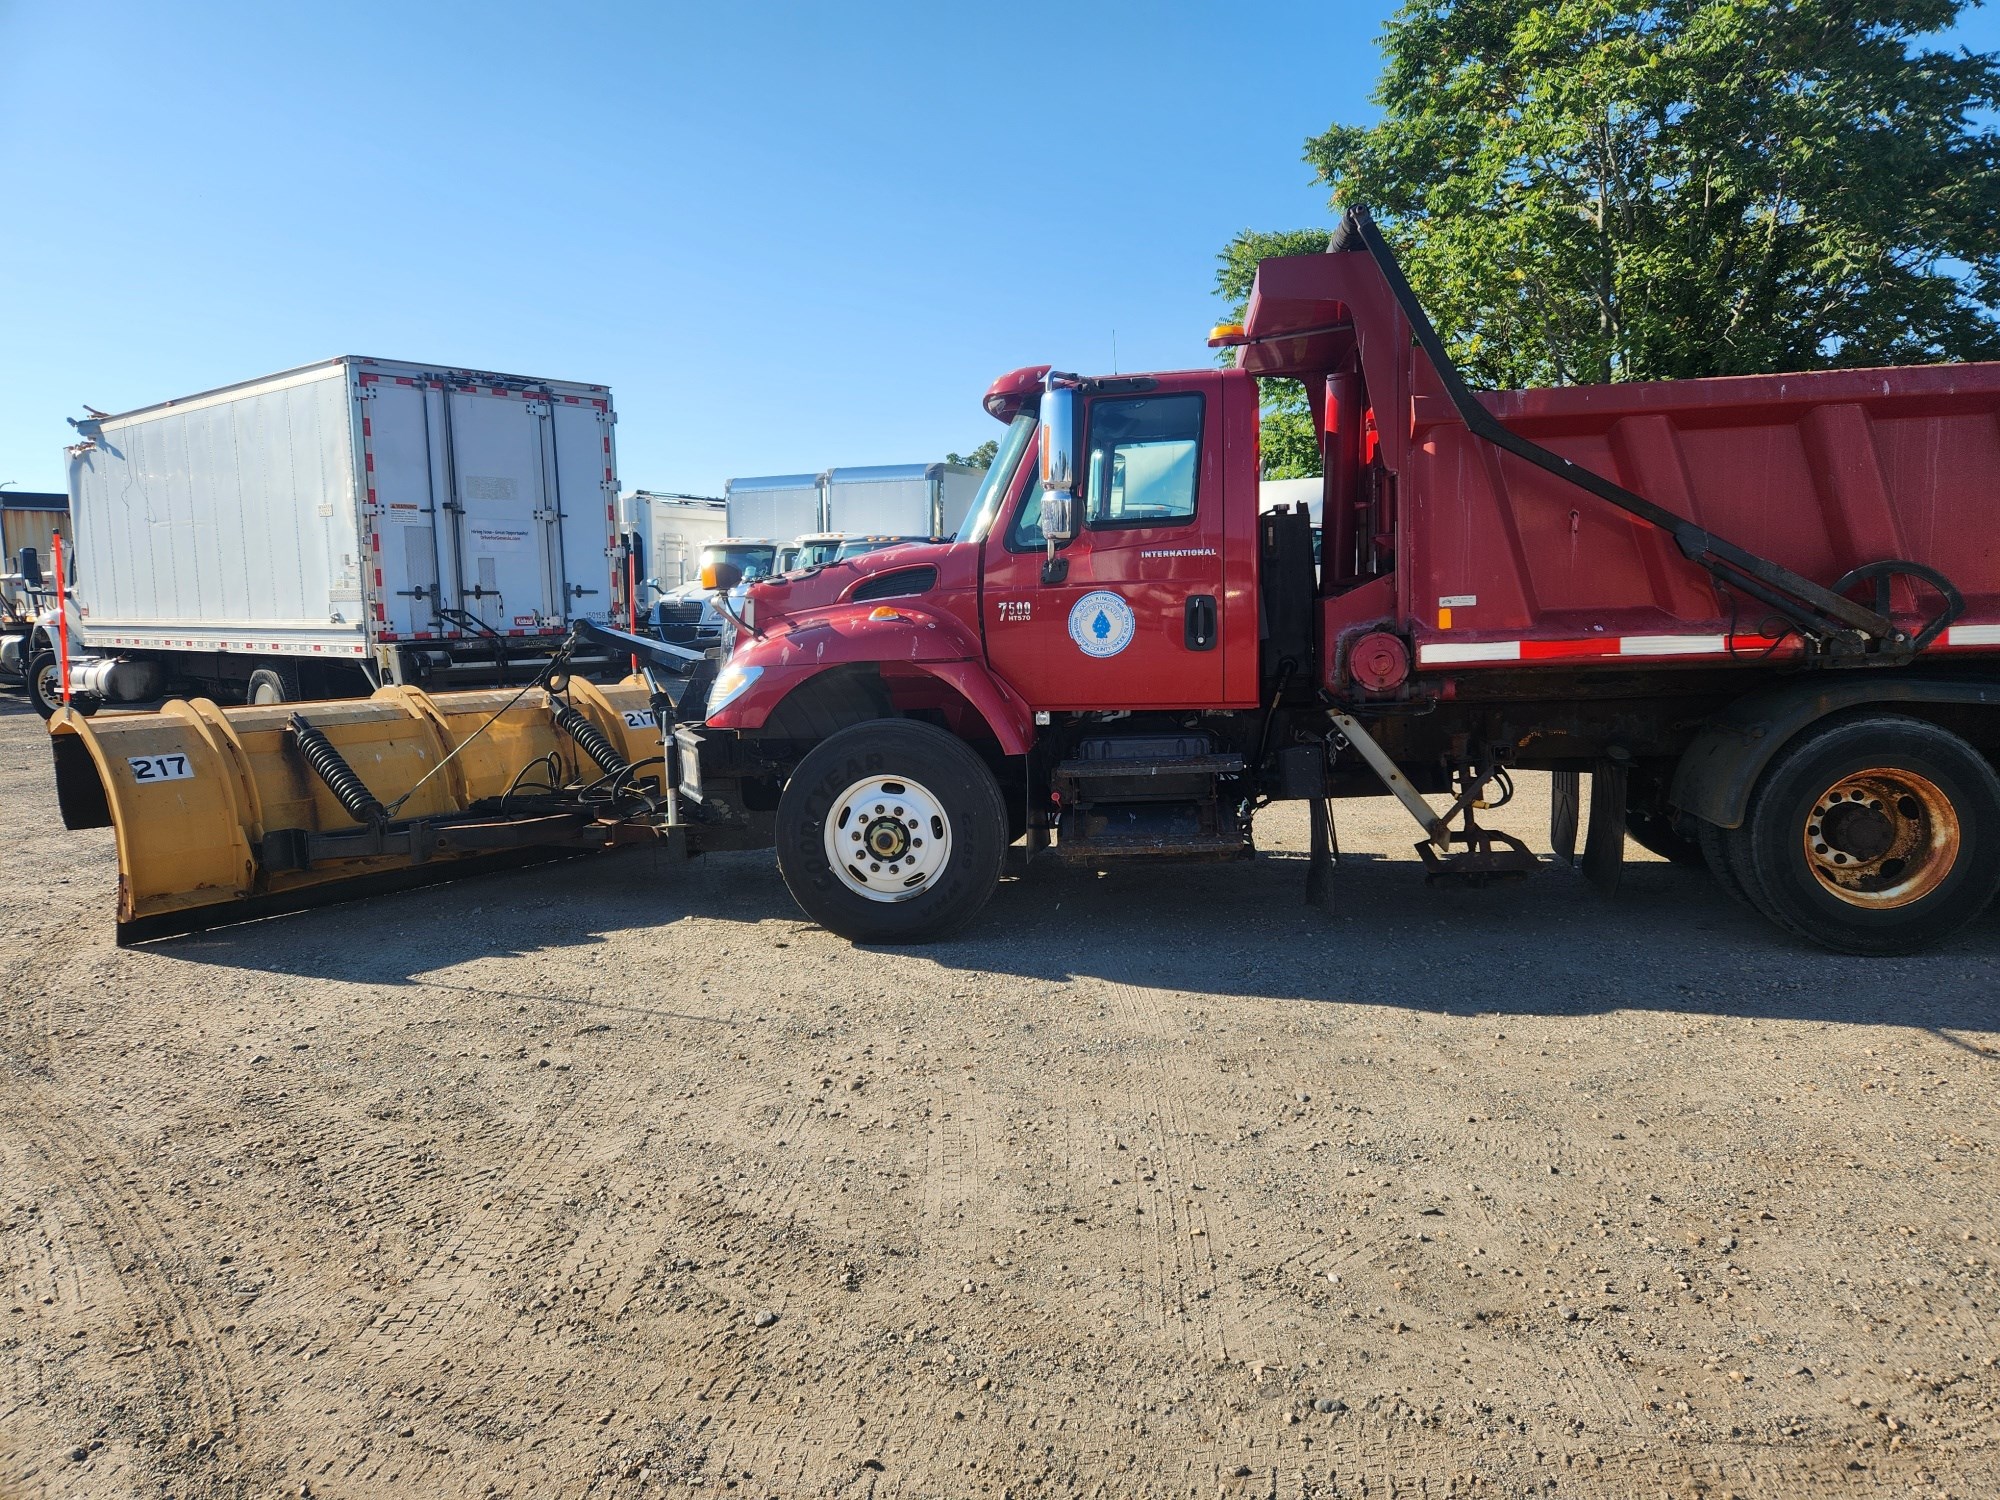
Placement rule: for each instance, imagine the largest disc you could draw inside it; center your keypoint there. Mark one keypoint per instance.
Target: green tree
(979, 458)
(1289, 446)
(1594, 190)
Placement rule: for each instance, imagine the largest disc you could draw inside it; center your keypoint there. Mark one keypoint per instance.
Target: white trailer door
(403, 477)
(586, 495)
(506, 526)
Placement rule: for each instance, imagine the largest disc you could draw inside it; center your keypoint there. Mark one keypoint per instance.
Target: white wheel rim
(265, 694)
(888, 837)
(51, 684)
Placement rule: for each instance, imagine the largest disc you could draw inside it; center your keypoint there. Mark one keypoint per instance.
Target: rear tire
(1718, 854)
(925, 805)
(273, 684)
(1874, 836)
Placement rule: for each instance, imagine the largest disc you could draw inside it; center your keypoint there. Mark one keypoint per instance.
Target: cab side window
(1144, 455)
(1025, 535)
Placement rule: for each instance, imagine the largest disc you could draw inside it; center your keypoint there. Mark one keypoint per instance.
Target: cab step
(1138, 806)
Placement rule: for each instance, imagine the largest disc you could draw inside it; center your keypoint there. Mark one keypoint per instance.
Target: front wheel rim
(889, 837)
(50, 684)
(1882, 838)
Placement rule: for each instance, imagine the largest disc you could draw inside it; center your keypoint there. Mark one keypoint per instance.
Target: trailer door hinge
(535, 408)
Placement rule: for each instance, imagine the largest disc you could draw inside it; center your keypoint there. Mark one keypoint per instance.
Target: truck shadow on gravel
(1550, 945)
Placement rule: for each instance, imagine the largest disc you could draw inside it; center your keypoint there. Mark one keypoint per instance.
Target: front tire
(45, 683)
(891, 831)
(1874, 836)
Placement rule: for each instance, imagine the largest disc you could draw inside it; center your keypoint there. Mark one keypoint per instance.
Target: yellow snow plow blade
(224, 814)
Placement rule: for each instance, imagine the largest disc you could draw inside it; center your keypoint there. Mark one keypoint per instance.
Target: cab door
(1137, 619)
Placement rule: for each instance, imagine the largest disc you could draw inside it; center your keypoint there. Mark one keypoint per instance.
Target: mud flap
(1604, 841)
(1565, 797)
(1325, 854)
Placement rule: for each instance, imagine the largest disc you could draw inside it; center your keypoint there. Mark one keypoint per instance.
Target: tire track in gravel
(193, 1390)
(452, 1282)
(952, 1173)
(1180, 1240)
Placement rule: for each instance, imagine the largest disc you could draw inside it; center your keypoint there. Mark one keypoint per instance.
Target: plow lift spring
(1837, 631)
(318, 752)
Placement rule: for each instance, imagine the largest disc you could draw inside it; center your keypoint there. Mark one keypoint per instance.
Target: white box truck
(776, 507)
(909, 501)
(338, 526)
(673, 529)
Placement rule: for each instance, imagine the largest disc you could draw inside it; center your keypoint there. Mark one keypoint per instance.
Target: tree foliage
(1594, 190)
(979, 458)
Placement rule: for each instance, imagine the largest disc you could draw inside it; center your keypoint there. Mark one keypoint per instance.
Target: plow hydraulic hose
(591, 738)
(333, 769)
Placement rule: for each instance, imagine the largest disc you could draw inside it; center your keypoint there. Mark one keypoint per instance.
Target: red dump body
(1489, 561)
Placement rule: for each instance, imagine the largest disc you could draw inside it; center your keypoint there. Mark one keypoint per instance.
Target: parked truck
(776, 506)
(29, 521)
(917, 502)
(1761, 614)
(331, 528)
(673, 529)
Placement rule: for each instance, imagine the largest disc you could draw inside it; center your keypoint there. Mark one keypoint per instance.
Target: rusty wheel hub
(1881, 838)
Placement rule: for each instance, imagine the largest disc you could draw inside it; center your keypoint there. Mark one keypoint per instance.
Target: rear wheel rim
(1882, 838)
(889, 837)
(264, 693)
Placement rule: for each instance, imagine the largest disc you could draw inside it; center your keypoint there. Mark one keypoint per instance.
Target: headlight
(731, 683)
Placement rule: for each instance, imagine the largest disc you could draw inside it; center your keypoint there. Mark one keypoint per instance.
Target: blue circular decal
(1101, 623)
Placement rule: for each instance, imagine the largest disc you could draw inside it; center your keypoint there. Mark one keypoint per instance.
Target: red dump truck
(1761, 614)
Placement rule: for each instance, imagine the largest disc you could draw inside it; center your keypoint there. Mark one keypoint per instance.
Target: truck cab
(688, 615)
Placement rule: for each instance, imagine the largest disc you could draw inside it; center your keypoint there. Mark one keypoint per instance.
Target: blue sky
(786, 236)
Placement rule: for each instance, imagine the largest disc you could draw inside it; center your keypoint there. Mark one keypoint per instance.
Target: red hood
(793, 593)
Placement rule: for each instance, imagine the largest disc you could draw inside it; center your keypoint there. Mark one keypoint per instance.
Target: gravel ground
(618, 1178)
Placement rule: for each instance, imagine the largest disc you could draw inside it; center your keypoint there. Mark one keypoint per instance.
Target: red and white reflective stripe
(1591, 648)
(1452, 653)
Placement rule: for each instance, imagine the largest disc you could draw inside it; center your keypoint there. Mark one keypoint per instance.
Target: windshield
(755, 559)
(817, 554)
(999, 479)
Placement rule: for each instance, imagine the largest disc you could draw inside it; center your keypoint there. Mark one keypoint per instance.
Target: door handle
(1201, 622)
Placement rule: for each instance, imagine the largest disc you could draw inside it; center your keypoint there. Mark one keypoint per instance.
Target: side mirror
(31, 568)
(721, 577)
(1059, 436)
(1058, 519)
